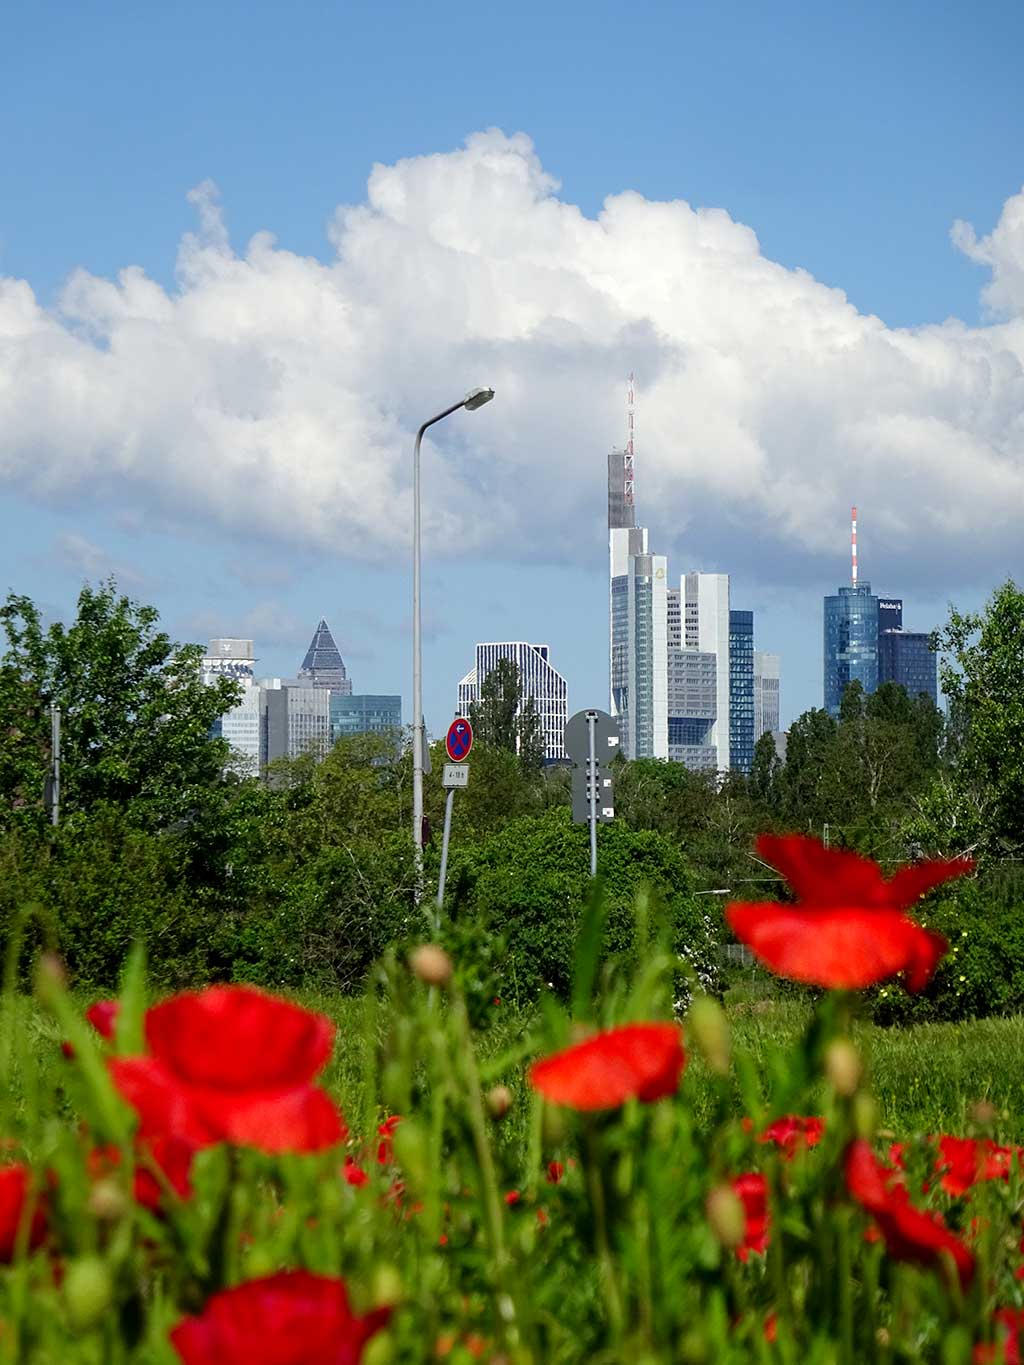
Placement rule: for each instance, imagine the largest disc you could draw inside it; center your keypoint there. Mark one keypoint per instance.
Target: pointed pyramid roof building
(323, 665)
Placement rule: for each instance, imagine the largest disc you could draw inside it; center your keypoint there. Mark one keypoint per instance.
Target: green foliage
(503, 719)
(983, 972)
(136, 714)
(982, 678)
(530, 881)
(493, 714)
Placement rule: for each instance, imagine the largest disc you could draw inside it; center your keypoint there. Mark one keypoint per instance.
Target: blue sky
(849, 139)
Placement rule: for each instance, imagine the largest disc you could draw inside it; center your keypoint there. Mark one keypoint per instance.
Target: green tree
(494, 714)
(530, 738)
(804, 785)
(764, 773)
(982, 805)
(136, 715)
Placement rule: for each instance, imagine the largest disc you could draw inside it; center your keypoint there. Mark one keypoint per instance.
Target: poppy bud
(983, 1112)
(88, 1292)
(553, 1125)
(431, 965)
(726, 1215)
(707, 1025)
(499, 1101)
(107, 1200)
(51, 971)
(843, 1067)
(387, 1288)
(865, 1115)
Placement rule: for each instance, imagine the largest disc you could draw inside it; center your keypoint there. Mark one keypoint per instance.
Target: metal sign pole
(592, 775)
(55, 757)
(444, 846)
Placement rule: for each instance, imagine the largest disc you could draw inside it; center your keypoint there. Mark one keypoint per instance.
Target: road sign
(581, 796)
(577, 739)
(459, 740)
(455, 775)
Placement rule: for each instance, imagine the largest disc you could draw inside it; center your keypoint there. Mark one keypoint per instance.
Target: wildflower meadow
(614, 1183)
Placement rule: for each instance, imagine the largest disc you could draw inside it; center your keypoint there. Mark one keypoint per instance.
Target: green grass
(925, 1078)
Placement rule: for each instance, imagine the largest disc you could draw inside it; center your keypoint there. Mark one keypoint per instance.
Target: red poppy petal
(164, 1106)
(238, 1038)
(913, 1235)
(103, 1017)
(842, 949)
(641, 1061)
(868, 1181)
(927, 950)
(14, 1190)
(287, 1319)
(823, 876)
(909, 884)
(299, 1119)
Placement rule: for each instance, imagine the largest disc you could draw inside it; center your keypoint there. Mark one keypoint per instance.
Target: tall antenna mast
(628, 462)
(853, 546)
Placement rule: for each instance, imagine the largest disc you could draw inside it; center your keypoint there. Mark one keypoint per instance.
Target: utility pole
(54, 776)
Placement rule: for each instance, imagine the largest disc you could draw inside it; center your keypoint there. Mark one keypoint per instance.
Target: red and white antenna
(853, 545)
(628, 462)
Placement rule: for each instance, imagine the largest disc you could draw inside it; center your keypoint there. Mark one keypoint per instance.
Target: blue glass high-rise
(850, 642)
(741, 690)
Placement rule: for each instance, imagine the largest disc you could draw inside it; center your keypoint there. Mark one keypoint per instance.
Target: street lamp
(476, 398)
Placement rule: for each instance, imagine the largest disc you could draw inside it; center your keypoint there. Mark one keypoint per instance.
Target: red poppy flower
(793, 1131)
(354, 1173)
(14, 1190)
(385, 1148)
(964, 1161)
(293, 1318)
(1006, 1350)
(555, 1172)
(231, 1063)
(103, 1017)
(752, 1190)
(170, 1155)
(910, 1234)
(641, 1061)
(848, 929)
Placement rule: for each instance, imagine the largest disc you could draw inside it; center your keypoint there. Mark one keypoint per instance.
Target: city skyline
(222, 319)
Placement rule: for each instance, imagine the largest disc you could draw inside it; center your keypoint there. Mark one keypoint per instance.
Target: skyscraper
(639, 643)
(323, 665)
(850, 642)
(538, 678)
(295, 719)
(233, 658)
(364, 713)
(705, 611)
(741, 690)
(906, 657)
(766, 693)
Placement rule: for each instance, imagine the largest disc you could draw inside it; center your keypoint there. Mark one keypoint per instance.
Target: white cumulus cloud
(279, 395)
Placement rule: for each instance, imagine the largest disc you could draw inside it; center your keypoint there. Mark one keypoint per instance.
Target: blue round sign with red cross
(459, 740)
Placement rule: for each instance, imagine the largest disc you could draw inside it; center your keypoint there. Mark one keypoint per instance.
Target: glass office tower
(850, 643)
(741, 690)
(906, 657)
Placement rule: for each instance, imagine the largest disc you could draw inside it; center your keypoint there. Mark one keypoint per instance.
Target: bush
(529, 883)
(983, 971)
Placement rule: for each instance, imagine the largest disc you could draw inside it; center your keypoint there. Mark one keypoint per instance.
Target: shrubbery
(530, 881)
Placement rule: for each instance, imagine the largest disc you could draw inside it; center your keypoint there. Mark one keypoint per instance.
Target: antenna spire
(628, 486)
(853, 546)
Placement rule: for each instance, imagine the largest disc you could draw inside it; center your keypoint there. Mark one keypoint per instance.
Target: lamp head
(476, 398)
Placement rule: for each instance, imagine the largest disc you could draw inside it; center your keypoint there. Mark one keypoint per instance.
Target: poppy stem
(485, 1164)
(599, 1209)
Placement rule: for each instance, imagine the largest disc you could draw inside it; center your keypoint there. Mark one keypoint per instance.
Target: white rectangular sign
(455, 775)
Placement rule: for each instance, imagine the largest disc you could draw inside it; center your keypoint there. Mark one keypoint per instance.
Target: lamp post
(473, 400)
